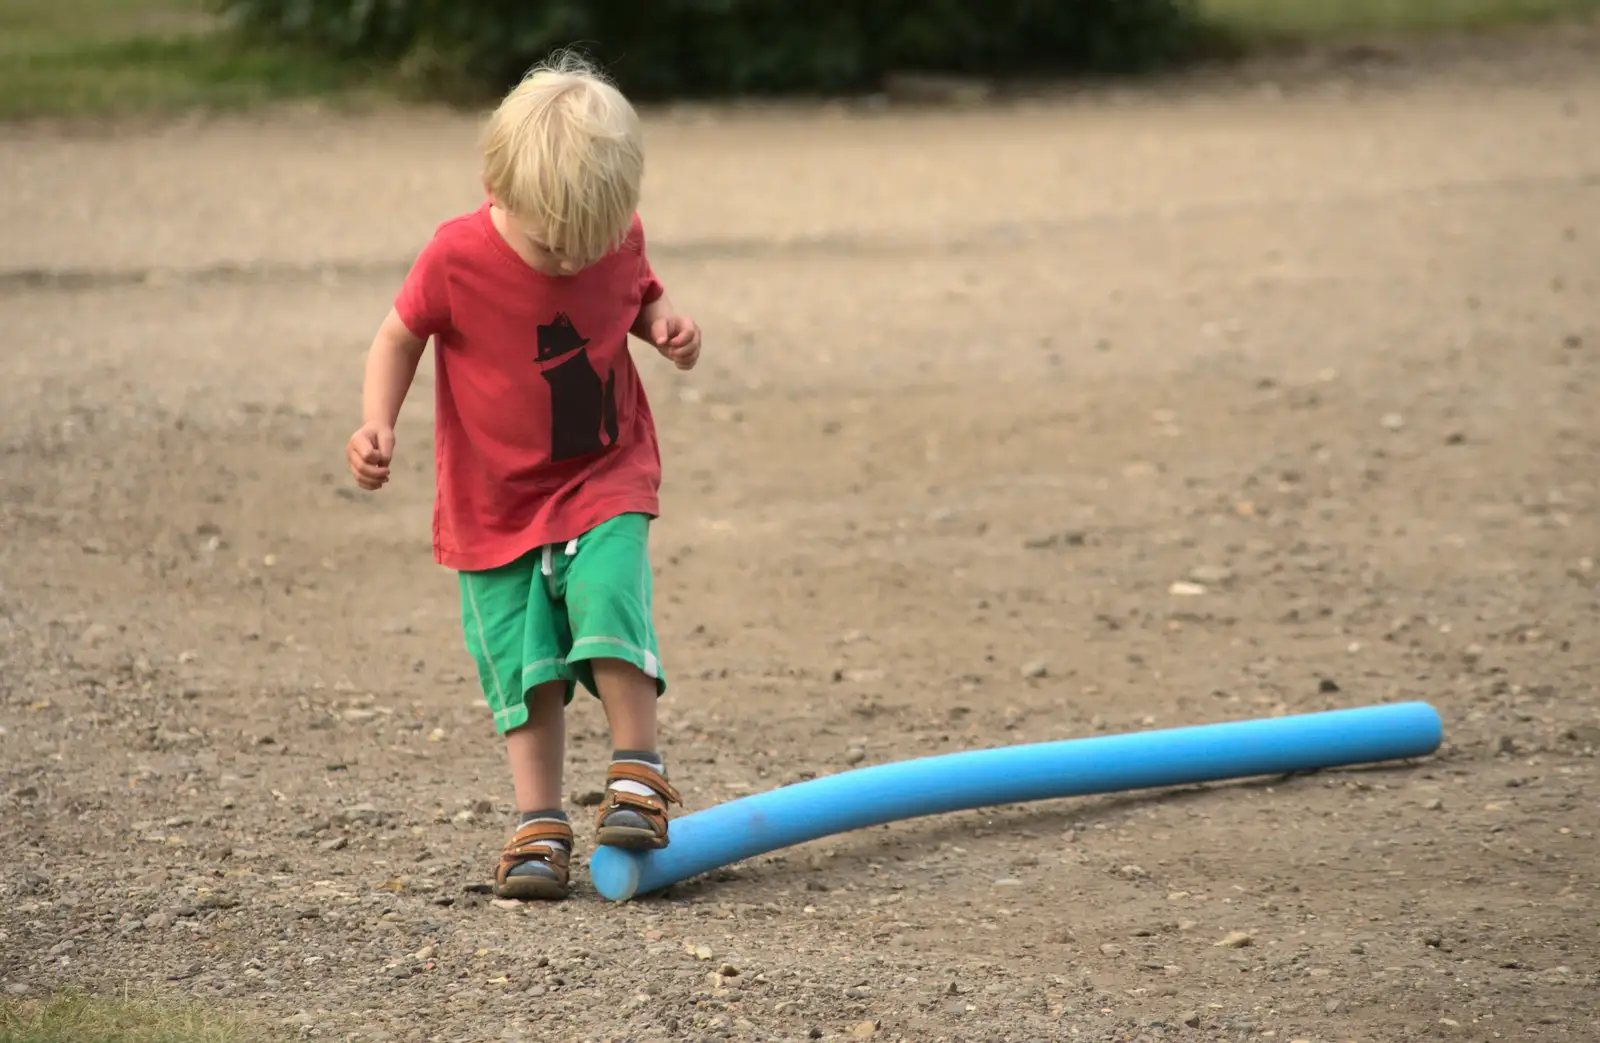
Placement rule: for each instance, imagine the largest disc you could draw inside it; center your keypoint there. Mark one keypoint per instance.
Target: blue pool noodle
(871, 796)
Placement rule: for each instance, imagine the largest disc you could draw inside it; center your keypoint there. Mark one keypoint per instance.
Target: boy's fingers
(363, 466)
(375, 447)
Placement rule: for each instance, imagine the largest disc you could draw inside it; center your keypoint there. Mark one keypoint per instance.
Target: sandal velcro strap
(643, 775)
(632, 801)
(532, 842)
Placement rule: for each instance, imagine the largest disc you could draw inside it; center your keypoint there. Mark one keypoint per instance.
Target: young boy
(546, 460)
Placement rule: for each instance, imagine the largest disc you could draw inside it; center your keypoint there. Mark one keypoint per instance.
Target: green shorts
(544, 616)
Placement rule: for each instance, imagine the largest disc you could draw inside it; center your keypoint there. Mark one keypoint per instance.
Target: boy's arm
(391, 366)
(673, 334)
(659, 308)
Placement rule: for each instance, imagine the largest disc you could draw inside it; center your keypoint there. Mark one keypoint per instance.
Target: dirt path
(979, 389)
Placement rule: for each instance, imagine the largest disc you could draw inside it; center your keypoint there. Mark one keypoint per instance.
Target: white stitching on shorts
(652, 665)
(483, 641)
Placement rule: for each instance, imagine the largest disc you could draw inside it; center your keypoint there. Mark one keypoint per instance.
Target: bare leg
(543, 841)
(537, 750)
(629, 698)
(634, 814)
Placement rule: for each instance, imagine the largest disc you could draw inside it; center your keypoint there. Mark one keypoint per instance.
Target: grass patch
(62, 58)
(79, 1018)
(1314, 19)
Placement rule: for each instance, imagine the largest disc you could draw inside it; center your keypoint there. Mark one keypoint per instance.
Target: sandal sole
(531, 888)
(629, 838)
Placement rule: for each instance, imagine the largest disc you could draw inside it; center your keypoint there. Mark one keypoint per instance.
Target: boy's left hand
(678, 338)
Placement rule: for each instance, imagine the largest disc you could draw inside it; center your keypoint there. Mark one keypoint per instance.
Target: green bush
(681, 48)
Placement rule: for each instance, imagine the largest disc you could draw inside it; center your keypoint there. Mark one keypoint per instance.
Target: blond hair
(563, 151)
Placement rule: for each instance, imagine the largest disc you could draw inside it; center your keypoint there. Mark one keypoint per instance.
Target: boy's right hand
(369, 452)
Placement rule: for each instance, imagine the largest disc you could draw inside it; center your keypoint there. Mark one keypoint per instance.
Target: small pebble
(1035, 670)
(1234, 940)
(364, 813)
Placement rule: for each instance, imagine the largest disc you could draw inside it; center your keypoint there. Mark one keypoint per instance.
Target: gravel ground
(1136, 408)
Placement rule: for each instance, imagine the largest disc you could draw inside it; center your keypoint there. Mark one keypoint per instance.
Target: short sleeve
(423, 302)
(650, 287)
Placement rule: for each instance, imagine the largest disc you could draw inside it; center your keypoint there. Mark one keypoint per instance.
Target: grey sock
(553, 814)
(642, 756)
(548, 815)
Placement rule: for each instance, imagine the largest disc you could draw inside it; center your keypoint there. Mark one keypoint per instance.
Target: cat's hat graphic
(559, 338)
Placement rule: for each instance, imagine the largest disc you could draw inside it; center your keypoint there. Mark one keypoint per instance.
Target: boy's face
(528, 240)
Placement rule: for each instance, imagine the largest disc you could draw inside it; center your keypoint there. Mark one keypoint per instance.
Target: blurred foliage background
(112, 57)
(661, 48)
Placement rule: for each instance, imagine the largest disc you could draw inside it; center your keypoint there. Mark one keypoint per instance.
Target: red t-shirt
(541, 429)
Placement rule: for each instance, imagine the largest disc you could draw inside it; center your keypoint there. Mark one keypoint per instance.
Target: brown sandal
(630, 820)
(544, 869)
